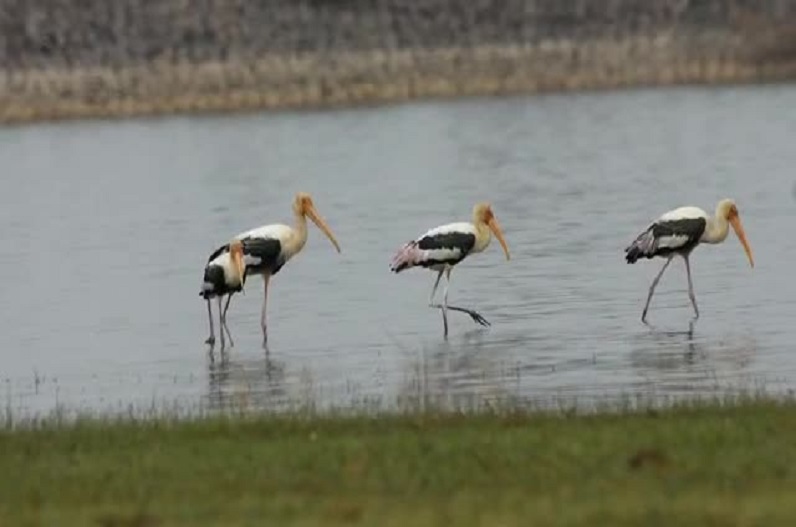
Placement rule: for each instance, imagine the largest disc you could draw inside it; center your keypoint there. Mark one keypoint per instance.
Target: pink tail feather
(408, 256)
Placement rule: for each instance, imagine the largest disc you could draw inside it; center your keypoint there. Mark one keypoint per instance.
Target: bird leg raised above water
(477, 317)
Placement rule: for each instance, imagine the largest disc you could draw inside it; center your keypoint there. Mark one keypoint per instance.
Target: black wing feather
(267, 250)
(665, 237)
(448, 240)
(218, 252)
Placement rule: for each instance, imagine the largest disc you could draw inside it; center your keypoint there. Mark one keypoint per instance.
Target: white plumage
(443, 247)
(268, 248)
(224, 274)
(452, 253)
(224, 262)
(680, 231)
(682, 213)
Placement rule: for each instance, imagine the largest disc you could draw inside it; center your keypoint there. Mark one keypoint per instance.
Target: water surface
(107, 225)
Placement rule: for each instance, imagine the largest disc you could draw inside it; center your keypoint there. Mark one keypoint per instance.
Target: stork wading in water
(268, 248)
(225, 274)
(441, 248)
(680, 231)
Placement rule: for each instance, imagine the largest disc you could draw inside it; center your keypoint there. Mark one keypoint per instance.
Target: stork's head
(238, 265)
(482, 213)
(303, 206)
(728, 210)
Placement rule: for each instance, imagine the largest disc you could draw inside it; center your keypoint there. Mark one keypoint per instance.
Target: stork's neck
(294, 242)
(716, 229)
(482, 236)
(301, 231)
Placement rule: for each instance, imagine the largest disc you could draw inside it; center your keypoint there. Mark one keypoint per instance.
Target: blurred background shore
(94, 58)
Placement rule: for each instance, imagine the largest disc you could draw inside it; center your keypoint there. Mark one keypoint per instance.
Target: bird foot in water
(476, 316)
(479, 319)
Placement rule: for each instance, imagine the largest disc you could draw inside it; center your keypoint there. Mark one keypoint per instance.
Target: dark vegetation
(40, 33)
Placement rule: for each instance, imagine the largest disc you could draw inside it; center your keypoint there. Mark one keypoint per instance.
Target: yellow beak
(317, 220)
(494, 226)
(239, 265)
(735, 221)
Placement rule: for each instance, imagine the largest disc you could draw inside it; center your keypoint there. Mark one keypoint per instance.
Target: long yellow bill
(494, 226)
(317, 220)
(738, 228)
(236, 254)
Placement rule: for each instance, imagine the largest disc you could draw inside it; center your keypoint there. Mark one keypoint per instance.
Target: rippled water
(107, 225)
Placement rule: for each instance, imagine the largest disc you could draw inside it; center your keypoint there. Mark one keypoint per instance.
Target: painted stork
(268, 248)
(678, 232)
(441, 248)
(225, 274)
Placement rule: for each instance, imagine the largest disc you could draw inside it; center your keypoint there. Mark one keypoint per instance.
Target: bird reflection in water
(663, 333)
(455, 374)
(676, 361)
(245, 384)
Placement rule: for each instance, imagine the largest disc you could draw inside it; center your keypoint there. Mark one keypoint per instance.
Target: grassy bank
(705, 465)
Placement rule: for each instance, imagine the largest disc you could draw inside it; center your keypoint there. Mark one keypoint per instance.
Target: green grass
(706, 464)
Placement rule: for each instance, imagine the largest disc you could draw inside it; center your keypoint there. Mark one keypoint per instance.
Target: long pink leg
(224, 320)
(652, 289)
(263, 323)
(221, 323)
(476, 316)
(212, 338)
(691, 294)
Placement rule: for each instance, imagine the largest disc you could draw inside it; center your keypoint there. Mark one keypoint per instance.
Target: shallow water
(107, 225)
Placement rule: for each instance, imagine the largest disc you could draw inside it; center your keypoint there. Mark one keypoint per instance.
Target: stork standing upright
(225, 274)
(441, 248)
(268, 248)
(680, 231)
